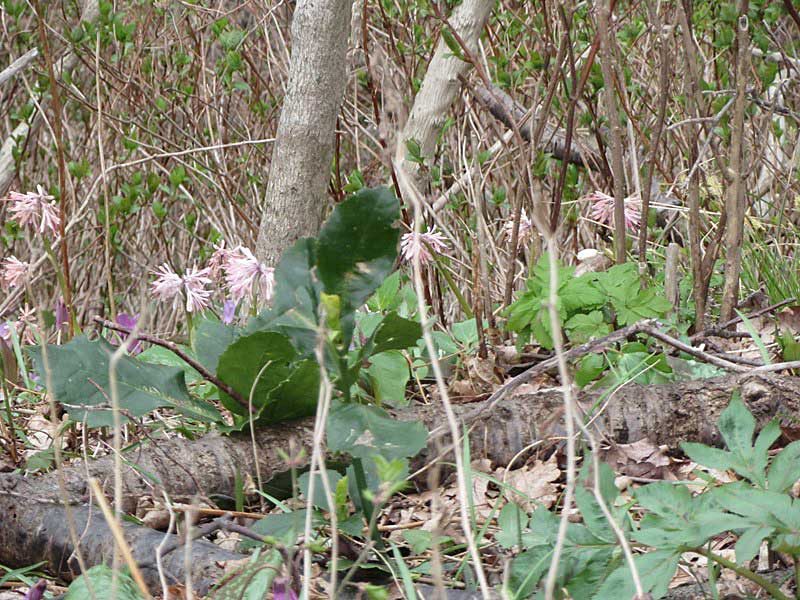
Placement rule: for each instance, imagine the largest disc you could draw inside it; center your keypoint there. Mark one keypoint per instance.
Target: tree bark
(441, 86)
(300, 169)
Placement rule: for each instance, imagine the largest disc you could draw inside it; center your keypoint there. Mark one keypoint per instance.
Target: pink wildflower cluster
(25, 326)
(34, 208)
(603, 209)
(189, 287)
(422, 244)
(241, 272)
(525, 229)
(13, 272)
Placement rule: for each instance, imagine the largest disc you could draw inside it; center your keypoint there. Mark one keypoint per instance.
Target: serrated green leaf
(785, 468)
(319, 500)
(749, 543)
(655, 569)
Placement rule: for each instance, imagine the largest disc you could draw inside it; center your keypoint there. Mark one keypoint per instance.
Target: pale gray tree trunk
(441, 86)
(300, 170)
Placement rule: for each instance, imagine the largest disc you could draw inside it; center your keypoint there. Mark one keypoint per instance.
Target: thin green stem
(451, 284)
(771, 588)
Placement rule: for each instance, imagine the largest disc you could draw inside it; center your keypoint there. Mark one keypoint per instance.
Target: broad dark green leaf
(365, 431)
(294, 398)
(357, 249)
(737, 427)
(297, 297)
(261, 358)
(393, 333)
(79, 374)
(210, 339)
(528, 568)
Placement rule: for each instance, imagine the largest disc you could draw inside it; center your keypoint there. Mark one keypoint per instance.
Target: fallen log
(208, 467)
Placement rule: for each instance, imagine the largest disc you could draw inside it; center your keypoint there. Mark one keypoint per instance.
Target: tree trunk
(440, 86)
(301, 160)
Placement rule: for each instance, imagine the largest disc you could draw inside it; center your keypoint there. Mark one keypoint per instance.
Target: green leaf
(737, 426)
(393, 333)
(100, 579)
(713, 458)
(527, 569)
(655, 569)
(357, 249)
(388, 373)
(295, 397)
(80, 380)
(785, 468)
(319, 500)
(749, 543)
(511, 520)
(387, 297)
(297, 298)
(286, 527)
(211, 338)
(665, 499)
(452, 43)
(583, 327)
(261, 358)
(364, 431)
(589, 369)
(587, 503)
(251, 581)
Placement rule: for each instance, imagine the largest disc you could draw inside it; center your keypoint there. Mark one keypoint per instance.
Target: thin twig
(173, 347)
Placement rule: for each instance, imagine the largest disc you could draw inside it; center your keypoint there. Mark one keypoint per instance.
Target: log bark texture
(300, 169)
(33, 523)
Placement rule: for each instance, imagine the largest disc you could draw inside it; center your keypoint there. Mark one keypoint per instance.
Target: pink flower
(28, 324)
(603, 210)
(413, 244)
(243, 271)
(219, 259)
(35, 206)
(191, 286)
(12, 272)
(525, 229)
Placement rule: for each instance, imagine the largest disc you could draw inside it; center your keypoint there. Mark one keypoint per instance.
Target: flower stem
(451, 284)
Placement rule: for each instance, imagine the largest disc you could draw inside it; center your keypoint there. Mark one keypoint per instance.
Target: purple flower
(603, 210)
(189, 286)
(281, 590)
(37, 591)
(13, 272)
(243, 271)
(34, 206)
(62, 316)
(413, 244)
(228, 311)
(133, 346)
(5, 333)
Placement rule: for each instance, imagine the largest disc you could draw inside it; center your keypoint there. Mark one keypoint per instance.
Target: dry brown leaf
(536, 482)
